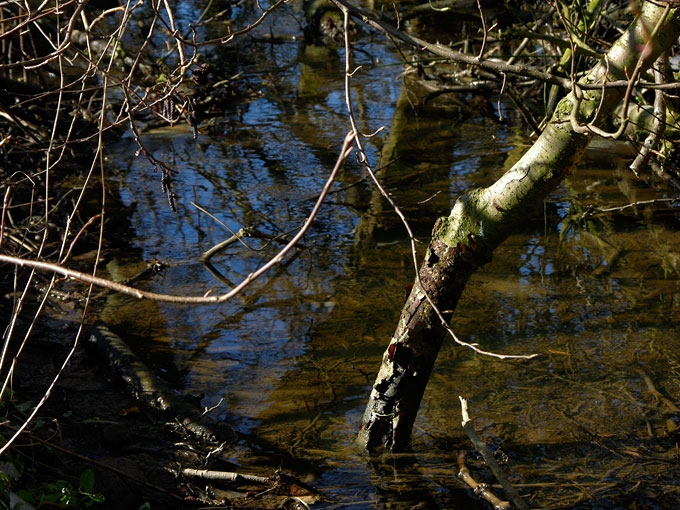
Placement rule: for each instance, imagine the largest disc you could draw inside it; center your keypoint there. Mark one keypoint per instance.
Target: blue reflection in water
(307, 338)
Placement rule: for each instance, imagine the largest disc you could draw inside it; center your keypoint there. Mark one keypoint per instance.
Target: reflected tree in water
(79, 74)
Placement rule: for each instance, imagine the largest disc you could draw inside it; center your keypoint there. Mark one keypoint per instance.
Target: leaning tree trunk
(483, 218)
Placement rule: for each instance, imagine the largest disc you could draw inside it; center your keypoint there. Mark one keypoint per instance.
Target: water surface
(294, 356)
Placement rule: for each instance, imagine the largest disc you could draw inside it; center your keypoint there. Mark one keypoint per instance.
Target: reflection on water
(295, 354)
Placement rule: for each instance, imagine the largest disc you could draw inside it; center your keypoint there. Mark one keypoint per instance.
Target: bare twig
(363, 160)
(659, 122)
(236, 236)
(140, 294)
(672, 202)
(49, 389)
(481, 490)
(483, 449)
(80, 233)
(485, 30)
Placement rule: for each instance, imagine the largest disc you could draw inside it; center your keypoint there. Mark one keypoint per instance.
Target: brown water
(294, 356)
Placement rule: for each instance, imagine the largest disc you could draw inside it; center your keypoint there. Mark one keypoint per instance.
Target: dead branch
(158, 401)
(227, 476)
(206, 299)
(480, 489)
(483, 449)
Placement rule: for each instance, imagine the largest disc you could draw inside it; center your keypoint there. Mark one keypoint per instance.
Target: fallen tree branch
(480, 489)
(157, 399)
(490, 460)
(227, 476)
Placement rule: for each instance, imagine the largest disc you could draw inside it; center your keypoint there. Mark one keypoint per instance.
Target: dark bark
(411, 355)
(156, 399)
(484, 218)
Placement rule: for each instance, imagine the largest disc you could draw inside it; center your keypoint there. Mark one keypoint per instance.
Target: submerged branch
(481, 490)
(490, 460)
(159, 402)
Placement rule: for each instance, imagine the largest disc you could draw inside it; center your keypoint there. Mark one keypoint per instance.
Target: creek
(292, 358)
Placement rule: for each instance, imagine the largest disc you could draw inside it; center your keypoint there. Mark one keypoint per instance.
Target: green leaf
(24, 407)
(37, 424)
(87, 481)
(94, 498)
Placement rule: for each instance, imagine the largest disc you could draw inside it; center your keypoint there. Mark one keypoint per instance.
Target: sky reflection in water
(306, 340)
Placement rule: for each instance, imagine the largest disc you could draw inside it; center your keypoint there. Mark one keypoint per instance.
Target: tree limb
(483, 218)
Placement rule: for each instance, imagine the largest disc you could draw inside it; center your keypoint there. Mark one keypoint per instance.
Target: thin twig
(480, 489)
(205, 299)
(659, 120)
(80, 233)
(633, 205)
(483, 449)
